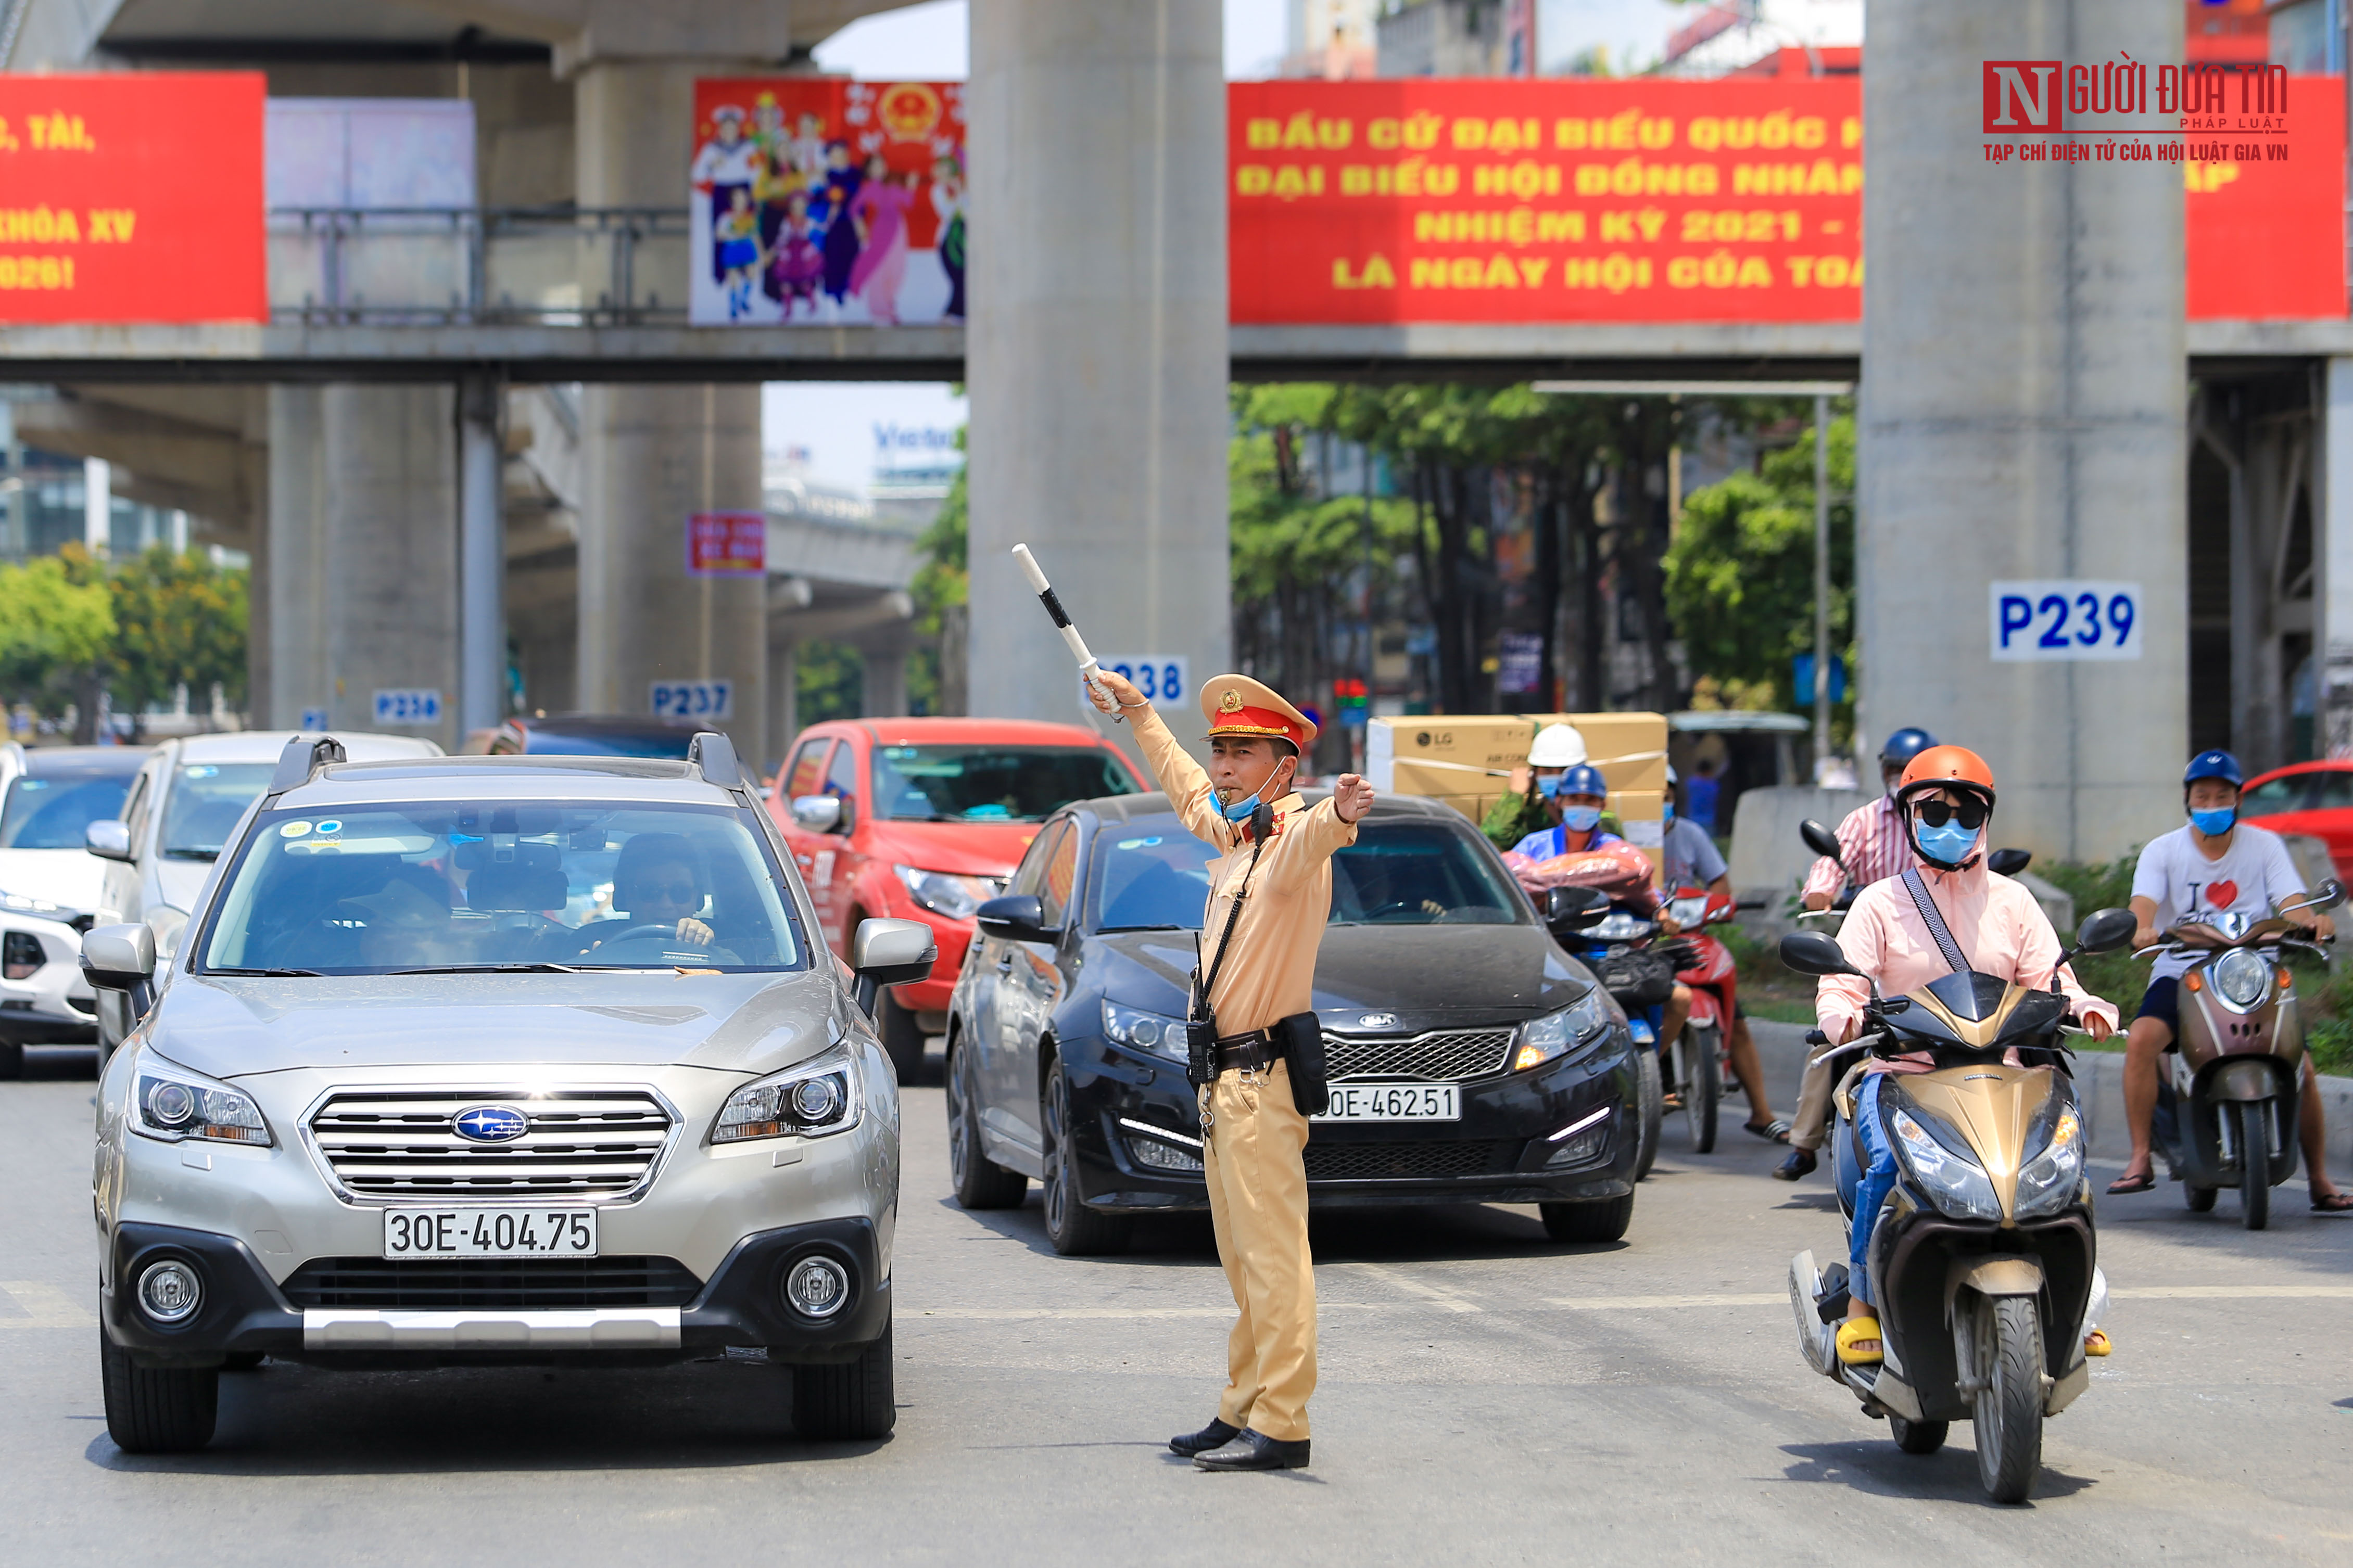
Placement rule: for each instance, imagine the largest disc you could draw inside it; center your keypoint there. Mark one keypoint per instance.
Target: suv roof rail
(715, 753)
(304, 755)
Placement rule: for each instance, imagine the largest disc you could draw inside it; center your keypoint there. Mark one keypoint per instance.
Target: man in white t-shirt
(2213, 865)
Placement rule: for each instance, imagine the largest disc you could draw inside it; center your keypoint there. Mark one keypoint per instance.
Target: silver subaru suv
(504, 1061)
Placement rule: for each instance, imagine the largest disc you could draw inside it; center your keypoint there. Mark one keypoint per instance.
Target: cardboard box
(1630, 749)
(1465, 761)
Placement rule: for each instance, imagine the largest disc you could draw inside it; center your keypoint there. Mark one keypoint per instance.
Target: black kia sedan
(1471, 1060)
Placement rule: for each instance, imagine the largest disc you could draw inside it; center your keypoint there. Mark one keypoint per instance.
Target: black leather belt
(1253, 1052)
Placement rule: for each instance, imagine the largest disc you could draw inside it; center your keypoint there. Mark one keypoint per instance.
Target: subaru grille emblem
(492, 1124)
(1377, 1021)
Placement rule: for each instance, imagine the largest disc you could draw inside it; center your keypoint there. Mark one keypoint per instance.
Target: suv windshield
(50, 813)
(991, 783)
(206, 799)
(452, 885)
(1396, 873)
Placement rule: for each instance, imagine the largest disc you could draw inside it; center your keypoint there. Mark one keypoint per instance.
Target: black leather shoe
(1801, 1162)
(1216, 1434)
(1254, 1451)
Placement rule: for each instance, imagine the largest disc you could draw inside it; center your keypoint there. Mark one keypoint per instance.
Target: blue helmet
(2213, 765)
(1582, 779)
(1904, 745)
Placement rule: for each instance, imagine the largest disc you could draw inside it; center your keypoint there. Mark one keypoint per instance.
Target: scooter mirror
(1574, 908)
(2106, 931)
(1820, 839)
(2008, 862)
(2329, 895)
(1815, 952)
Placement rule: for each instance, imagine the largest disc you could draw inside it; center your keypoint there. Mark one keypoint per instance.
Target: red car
(924, 819)
(2314, 798)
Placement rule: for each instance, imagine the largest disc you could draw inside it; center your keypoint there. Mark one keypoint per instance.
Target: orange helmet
(1946, 767)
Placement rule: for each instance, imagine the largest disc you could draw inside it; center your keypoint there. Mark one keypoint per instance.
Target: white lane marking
(1651, 1303)
(1026, 1314)
(46, 1306)
(1398, 1281)
(2231, 1292)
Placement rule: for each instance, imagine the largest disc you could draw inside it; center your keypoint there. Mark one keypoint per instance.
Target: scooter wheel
(2199, 1199)
(1917, 1437)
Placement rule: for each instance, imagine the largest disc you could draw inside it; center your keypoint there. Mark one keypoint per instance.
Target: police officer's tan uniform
(1253, 1145)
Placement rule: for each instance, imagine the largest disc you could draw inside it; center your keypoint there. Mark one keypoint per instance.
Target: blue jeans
(1878, 1177)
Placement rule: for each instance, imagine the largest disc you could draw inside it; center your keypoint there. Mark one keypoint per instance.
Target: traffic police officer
(1254, 1135)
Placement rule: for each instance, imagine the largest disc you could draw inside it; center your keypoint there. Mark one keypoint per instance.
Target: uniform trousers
(1254, 1158)
(1811, 1124)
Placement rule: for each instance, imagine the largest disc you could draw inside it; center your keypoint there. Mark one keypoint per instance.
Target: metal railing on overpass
(556, 267)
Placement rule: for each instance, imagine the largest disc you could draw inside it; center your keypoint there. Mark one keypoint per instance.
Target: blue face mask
(1581, 818)
(2214, 824)
(1950, 843)
(1670, 809)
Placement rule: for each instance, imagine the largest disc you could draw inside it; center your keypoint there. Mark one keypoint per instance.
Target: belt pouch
(1299, 1038)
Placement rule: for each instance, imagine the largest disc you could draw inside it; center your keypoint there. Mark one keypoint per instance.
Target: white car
(181, 808)
(50, 889)
(401, 1100)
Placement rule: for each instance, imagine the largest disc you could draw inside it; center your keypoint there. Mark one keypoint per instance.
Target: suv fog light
(817, 1287)
(170, 1291)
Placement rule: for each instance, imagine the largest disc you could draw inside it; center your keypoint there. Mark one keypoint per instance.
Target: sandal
(2331, 1202)
(2124, 1185)
(1855, 1333)
(1774, 1132)
(2096, 1342)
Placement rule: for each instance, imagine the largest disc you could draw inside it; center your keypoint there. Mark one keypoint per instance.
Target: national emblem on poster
(822, 202)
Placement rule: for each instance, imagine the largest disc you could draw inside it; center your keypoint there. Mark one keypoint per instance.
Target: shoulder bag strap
(1936, 921)
(1233, 914)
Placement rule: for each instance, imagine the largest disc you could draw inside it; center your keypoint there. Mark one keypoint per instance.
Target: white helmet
(1556, 746)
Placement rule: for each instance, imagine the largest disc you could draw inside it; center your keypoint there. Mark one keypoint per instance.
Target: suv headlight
(1539, 1040)
(23, 904)
(1154, 1032)
(2048, 1181)
(945, 893)
(2243, 977)
(174, 1104)
(815, 1099)
(1956, 1184)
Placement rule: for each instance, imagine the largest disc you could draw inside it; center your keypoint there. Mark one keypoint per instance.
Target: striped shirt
(1871, 842)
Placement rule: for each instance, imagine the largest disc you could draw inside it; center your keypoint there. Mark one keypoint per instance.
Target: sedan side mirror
(1573, 908)
(2008, 862)
(109, 840)
(1820, 839)
(1815, 952)
(816, 812)
(2105, 931)
(1016, 917)
(119, 958)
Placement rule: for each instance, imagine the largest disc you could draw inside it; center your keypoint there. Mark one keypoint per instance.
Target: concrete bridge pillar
(2022, 418)
(1096, 353)
(362, 569)
(656, 454)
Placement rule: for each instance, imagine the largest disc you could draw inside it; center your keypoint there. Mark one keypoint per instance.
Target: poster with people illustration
(825, 202)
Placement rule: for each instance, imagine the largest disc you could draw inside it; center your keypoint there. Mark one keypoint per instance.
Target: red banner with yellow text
(1727, 200)
(131, 197)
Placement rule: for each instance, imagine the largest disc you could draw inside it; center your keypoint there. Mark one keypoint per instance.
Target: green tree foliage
(1740, 574)
(179, 621)
(831, 683)
(940, 589)
(53, 627)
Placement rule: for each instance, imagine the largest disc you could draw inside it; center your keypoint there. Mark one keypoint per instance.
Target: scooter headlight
(1956, 1184)
(2242, 977)
(2048, 1181)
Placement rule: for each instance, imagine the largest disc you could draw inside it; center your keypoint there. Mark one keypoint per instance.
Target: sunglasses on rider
(1970, 814)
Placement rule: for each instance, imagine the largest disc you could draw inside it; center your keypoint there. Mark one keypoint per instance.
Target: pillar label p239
(2064, 617)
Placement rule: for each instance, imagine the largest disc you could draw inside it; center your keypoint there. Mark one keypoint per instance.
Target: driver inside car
(1944, 803)
(656, 882)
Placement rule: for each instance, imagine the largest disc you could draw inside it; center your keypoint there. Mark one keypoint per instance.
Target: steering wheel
(1373, 916)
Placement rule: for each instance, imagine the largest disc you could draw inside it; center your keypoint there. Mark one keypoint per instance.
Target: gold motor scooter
(2238, 1073)
(1983, 1259)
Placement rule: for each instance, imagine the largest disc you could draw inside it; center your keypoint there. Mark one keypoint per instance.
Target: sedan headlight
(815, 1099)
(945, 893)
(2243, 977)
(174, 1104)
(2048, 1181)
(1139, 1030)
(1539, 1040)
(1957, 1185)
